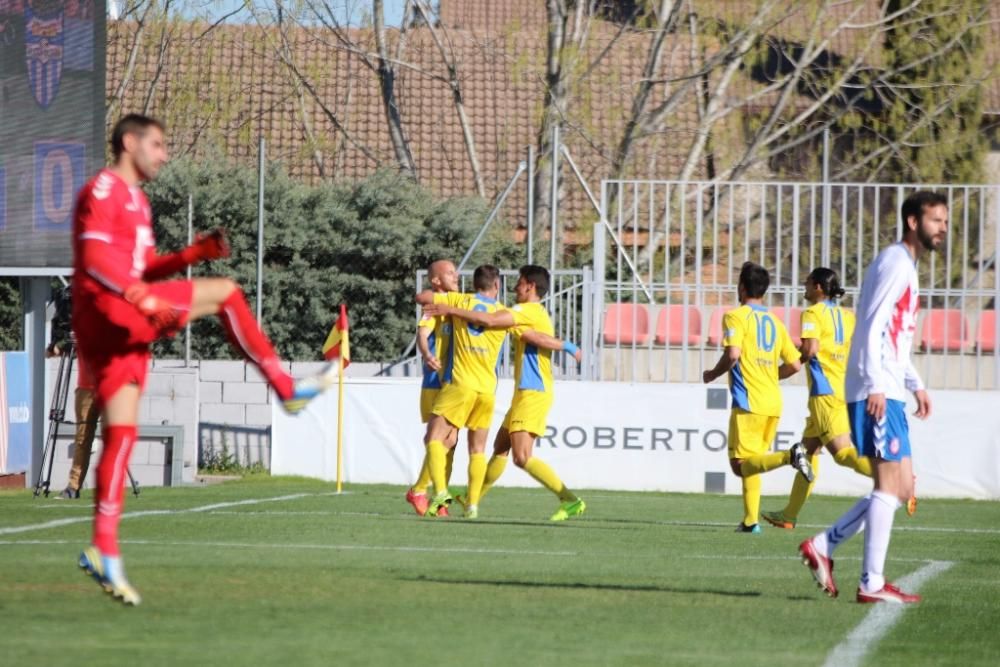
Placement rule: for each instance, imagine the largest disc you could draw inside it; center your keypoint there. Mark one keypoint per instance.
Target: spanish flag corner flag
(337, 343)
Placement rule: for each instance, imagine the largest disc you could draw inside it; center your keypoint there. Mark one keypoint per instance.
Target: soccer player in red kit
(121, 304)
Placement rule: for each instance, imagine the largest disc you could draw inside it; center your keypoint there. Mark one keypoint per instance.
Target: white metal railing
(682, 244)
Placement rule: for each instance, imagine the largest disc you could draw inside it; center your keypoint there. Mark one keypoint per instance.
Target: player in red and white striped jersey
(880, 373)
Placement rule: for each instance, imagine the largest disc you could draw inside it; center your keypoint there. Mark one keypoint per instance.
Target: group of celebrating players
(460, 338)
(858, 379)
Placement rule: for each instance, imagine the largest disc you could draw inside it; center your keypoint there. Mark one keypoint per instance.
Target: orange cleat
(418, 500)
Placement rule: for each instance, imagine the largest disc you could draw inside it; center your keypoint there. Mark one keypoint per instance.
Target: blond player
(532, 328)
(827, 329)
(434, 342)
(756, 343)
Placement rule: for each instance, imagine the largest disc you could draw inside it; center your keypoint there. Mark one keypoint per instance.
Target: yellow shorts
(827, 419)
(427, 398)
(750, 434)
(528, 412)
(464, 408)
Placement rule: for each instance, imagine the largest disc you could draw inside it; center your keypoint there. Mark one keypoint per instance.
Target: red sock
(111, 472)
(253, 343)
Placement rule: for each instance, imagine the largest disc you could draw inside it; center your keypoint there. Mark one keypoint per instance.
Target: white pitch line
(880, 620)
(367, 547)
(56, 523)
(322, 547)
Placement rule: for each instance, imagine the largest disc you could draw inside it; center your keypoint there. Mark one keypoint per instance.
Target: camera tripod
(57, 417)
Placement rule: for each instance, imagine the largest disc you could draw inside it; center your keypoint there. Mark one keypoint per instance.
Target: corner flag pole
(340, 425)
(338, 345)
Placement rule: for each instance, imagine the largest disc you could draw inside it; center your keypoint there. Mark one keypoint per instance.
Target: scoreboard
(52, 105)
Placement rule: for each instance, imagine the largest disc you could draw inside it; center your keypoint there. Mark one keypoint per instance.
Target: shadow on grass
(584, 586)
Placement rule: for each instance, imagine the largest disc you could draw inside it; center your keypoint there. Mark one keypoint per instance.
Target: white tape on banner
(643, 437)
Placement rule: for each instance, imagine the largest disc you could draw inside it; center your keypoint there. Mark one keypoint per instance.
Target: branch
(457, 98)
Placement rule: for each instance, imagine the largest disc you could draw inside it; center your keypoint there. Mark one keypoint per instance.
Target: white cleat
(308, 388)
(110, 574)
(800, 462)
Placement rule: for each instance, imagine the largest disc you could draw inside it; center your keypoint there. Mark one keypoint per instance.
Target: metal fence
(672, 250)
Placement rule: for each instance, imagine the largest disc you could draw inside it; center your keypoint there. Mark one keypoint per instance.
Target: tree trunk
(387, 87)
(557, 68)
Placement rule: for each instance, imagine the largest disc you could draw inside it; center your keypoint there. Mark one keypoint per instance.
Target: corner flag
(337, 343)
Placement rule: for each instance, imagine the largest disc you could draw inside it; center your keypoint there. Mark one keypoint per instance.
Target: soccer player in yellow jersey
(532, 328)
(466, 400)
(826, 340)
(756, 343)
(433, 343)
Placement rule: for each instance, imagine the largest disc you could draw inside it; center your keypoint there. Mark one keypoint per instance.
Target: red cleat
(889, 593)
(443, 511)
(418, 500)
(820, 566)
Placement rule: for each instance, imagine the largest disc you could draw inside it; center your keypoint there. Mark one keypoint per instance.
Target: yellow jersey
(439, 343)
(474, 355)
(833, 327)
(532, 366)
(764, 343)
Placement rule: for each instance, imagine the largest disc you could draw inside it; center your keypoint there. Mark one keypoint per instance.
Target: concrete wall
(171, 397)
(220, 404)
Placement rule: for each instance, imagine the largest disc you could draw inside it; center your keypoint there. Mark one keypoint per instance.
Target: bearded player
(122, 304)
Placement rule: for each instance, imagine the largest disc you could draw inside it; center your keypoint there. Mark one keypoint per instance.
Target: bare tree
(386, 70)
(439, 33)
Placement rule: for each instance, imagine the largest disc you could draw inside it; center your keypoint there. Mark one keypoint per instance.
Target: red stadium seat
(792, 317)
(986, 332)
(715, 326)
(626, 324)
(944, 330)
(671, 331)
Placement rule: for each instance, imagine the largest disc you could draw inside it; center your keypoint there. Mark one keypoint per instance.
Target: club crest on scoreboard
(44, 42)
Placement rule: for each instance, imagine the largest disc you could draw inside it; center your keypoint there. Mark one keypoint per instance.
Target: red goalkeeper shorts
(114, 337)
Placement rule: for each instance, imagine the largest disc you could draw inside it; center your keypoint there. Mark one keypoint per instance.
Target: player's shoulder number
(479, 307)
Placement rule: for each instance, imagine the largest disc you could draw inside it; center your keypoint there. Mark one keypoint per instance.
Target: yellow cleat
(568, 509)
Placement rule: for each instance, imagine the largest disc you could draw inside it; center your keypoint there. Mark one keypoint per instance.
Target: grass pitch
(282, 572)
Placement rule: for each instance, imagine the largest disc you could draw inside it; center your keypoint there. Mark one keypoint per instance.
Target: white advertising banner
(636, 437)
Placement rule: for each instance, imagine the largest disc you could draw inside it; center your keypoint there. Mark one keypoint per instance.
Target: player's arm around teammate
(504, 319)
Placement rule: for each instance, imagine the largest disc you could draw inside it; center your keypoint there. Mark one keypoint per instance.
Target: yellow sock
(436, 457)
(751, 499)
(801, 490)
(425, 478)
(494, 469)
(848, 457)
(448, 465)
(548, 478)
(477, 474)
(759, 463)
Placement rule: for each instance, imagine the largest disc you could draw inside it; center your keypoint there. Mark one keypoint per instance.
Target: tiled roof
(492, 17)
(249, 92)
(224, 88)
